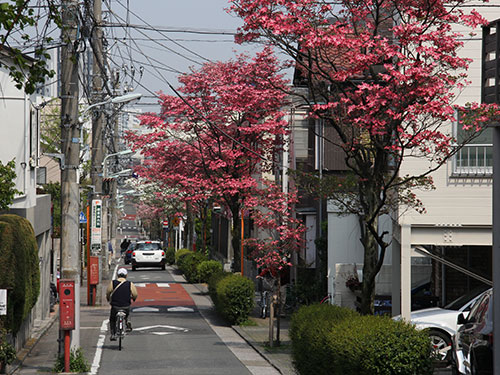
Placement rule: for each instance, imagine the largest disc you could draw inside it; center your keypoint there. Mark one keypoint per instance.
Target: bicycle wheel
(263, 312)
(119, 331)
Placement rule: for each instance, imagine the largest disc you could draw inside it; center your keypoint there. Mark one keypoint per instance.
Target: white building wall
(19, 139)
(459, 210)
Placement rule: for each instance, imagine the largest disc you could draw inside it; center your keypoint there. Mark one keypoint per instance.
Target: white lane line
(163, 285)
(98, 352)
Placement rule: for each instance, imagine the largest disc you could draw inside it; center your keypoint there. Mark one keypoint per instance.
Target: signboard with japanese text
(67, 304)
(96, 225)
(94, 271)
(3, 301)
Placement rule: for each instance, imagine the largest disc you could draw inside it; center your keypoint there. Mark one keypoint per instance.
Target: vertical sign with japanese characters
(96, 225)
(3, 301)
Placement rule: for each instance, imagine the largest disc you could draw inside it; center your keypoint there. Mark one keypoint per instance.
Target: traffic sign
(83, 218)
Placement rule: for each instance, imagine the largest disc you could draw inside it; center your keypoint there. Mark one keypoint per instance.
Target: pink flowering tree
(383, 75)
(214, 140)
(279, 232)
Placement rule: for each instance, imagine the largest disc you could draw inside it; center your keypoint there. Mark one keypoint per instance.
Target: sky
(188, 33)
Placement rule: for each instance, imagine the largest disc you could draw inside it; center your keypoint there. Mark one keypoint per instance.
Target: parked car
(127, 255)
(148, 254)
(473, 342)
(442, 322)
(421, 298)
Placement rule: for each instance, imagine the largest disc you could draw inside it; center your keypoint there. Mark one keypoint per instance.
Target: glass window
(476, 157)
(300, 138)
(148, 246)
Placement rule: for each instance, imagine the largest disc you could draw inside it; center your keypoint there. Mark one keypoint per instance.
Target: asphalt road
(169, 337)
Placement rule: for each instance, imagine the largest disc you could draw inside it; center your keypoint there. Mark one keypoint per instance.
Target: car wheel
(441, 345)
(163, 267)
(134, 268)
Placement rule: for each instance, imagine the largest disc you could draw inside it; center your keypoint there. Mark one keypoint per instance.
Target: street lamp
(120, 173)
(114, 100)
(119, 153)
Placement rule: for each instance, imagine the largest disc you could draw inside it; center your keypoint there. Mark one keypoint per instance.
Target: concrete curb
(202, 289)
(256, 347)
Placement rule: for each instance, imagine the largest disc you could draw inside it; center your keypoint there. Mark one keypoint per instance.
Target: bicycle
(264, 303)
(327, 299)
(121, 317)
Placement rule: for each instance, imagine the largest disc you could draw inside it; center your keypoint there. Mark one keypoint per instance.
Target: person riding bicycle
(119, 294)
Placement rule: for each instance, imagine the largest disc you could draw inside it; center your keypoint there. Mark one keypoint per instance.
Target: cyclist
(119, 294)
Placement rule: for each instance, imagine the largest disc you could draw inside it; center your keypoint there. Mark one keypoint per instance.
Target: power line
(178, 44)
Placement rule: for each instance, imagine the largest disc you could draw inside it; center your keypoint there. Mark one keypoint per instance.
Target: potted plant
(353, 283)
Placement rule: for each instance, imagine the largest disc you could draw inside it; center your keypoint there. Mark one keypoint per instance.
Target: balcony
(473, 160)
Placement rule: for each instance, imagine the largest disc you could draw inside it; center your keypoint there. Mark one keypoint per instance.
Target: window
(41, 175)
(475, 158)
(300, 138)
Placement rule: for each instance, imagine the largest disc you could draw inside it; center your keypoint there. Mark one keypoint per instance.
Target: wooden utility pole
(98, 128)
(70, 145)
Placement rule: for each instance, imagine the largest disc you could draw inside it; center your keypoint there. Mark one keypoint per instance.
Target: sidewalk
(257, 336)
(40, 353)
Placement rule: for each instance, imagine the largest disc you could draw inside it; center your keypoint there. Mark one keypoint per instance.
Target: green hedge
(206, 269)
(234, 298)
(18, 268)
(170, 255)
(333, 340)
(212, 284)
(188, 265)
(181, 253)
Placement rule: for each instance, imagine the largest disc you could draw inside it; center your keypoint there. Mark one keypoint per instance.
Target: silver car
(148, 254)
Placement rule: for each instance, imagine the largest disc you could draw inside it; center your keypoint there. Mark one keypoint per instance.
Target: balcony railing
(474, 160)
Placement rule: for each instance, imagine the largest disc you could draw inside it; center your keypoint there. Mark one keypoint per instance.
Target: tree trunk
(236, 234)
(235, 242)
(370, 269)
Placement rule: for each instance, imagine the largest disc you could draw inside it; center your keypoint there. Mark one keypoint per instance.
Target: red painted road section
(153, 295)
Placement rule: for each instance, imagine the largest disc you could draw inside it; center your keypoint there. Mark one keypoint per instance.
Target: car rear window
(148, 246)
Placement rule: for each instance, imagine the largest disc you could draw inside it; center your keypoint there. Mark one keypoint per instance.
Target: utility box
(67, 304)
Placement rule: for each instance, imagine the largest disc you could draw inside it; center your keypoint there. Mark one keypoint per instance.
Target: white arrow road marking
(180, 309)
(146, 309)
(162, 326)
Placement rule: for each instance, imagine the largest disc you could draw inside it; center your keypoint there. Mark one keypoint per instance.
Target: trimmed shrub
(307, 332)
(330, 340)
(18, 268)
(207, 268)
(188, 265)
(170, 255)
(235, 298)
(181, 253)
(212, 284)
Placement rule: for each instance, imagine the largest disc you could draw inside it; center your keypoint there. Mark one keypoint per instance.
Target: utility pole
(70, 145)
(98, 125)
